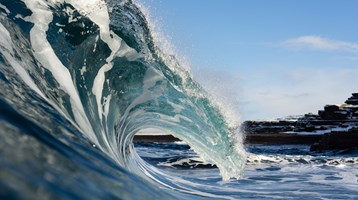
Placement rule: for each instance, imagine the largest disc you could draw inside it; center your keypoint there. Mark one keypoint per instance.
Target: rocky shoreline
(155, 138)
(281, 139)
(336, 141)
(335, 127)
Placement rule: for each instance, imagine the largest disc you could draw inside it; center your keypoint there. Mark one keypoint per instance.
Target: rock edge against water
(336, 127)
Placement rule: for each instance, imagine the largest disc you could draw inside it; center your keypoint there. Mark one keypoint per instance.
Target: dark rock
(353, 100)
(309, 129)
(331, 108)
(328, 120)
(336, 140)
(333, 112)
(281, 138)
(155, 138)
(267, 126)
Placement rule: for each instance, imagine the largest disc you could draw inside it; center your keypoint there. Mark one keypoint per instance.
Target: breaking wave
(80, 78)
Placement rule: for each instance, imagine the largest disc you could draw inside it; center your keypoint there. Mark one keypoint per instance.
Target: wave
(94, 66)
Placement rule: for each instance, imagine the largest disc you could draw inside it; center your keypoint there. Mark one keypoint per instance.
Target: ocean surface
(271, 172)
(79, 78)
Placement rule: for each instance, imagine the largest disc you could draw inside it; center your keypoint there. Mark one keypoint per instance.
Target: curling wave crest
(95, 65)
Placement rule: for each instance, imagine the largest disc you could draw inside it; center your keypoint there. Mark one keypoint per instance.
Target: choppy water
(272, 172)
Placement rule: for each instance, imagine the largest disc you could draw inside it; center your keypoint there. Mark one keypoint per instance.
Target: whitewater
(78, 80)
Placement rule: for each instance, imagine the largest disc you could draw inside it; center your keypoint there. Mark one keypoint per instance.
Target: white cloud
(320, 43)
(275, 93)
(277, 97)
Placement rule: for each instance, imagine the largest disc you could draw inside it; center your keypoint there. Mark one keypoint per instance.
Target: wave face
(80, 78)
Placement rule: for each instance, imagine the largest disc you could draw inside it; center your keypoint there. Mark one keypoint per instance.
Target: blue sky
(267, 59)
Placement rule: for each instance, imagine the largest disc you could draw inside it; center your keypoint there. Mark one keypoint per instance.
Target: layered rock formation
(333, 121)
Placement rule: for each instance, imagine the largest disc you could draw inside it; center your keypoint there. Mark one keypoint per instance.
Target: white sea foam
(41, 17)
(4, 7)
(6, 43)
(97, 11)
